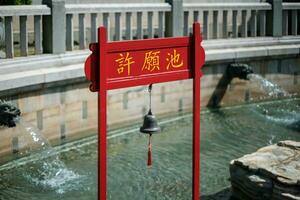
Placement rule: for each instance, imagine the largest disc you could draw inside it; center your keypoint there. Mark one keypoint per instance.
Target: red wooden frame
(100, 70)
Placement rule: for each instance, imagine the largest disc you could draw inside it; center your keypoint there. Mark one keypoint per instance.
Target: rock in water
(272, 172)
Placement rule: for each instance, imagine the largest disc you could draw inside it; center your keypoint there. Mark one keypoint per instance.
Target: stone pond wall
(69, 112)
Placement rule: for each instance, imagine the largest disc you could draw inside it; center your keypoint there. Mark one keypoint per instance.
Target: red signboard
(123, 64)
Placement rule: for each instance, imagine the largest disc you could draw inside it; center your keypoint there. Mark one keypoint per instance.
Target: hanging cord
(149, 162)
(150, 92)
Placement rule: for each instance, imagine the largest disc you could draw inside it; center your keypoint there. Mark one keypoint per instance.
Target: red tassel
(149, 163)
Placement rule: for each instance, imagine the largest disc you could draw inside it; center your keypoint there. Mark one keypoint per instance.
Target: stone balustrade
(290, 13)
(8, 12)
(241, 15)
(114, 13)
(143, 20)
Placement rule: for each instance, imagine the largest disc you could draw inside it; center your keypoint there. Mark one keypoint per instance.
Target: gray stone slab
(283, 50)
(116, 7)
(218, 55)
(9, 41)
(69, 32)
(251, 52)
(228, 6)
(272, 172)
(38, 34)
(24, 10)
(60, 74)
(291, 6)
(21, 80)
(174, 19)
(23, 36)
(21, 64)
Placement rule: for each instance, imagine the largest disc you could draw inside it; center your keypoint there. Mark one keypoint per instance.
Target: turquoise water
(226, 134)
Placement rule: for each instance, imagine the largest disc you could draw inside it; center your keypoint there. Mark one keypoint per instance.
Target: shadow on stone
(219, 92)
(233, 70)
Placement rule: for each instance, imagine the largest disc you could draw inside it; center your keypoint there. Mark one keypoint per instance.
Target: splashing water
(270, 88)
(288, 116)
(271, 140)
(46, 169)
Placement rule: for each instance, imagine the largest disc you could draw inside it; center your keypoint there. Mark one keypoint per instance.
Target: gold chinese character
(151, 61)
(124, 62)
(174, 60)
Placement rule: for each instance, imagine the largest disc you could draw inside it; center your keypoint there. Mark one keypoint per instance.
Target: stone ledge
(40, 76)
(34, 70)
(250, 42)
(251, 52)
(37, 62)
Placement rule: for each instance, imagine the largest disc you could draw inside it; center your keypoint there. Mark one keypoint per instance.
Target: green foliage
(23, 2)
(15, 2)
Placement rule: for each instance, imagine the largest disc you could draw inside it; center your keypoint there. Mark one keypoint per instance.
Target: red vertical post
(102, 78)
(196, 110)
(102, 114)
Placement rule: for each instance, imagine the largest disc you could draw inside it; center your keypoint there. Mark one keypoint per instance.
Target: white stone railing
(142, 20)
(115, 13)
(231, 18)
(291, 12)
(8, 12)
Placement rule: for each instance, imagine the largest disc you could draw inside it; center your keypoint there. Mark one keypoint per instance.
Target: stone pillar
(54, 33)
(174, 19)
(274, 19)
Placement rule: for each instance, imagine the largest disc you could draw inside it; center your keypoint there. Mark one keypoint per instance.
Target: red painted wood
(140, 67)
(157, 43)
(102, 66)
(138, 72)
(92, 68)
(148, 79)
(102, 114)
(199, 57)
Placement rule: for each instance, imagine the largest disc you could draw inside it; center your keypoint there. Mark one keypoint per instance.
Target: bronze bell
(150, 125)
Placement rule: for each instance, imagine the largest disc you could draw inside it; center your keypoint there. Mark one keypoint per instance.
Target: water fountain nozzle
(8, 114)
(239, 70)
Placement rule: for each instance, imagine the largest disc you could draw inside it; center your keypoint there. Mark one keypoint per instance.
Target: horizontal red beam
(148, 79)
(113, 47)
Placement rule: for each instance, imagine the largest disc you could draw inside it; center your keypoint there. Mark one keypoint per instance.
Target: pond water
(226, 134)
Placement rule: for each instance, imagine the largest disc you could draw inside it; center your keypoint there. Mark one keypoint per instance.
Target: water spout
(238, 70)
(233, 70)
(8, 114)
